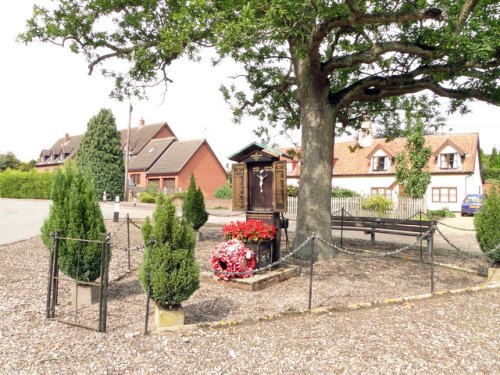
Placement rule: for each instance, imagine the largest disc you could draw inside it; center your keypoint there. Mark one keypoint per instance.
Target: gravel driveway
(454, 334)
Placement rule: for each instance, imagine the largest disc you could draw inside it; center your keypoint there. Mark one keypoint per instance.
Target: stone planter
(493, 275)
(84, 295)
(168, 317)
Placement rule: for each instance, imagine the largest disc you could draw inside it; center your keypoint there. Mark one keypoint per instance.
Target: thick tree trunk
(317, 124)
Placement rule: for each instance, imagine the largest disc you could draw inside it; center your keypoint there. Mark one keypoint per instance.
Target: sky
(46, 92)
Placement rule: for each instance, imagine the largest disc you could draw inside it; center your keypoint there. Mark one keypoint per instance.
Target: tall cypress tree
(100, 154)
(193, 207)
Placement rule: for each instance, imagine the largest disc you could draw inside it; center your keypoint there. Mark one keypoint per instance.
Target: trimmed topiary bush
(487, 223)
(75, 213)
(169, 266)
(338, 192)
(193, 206)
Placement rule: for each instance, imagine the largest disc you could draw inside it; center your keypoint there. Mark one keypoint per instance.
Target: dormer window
(380, 163)
(449, 161)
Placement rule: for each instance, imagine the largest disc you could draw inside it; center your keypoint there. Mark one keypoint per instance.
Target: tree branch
(358, 19)
(370, 55)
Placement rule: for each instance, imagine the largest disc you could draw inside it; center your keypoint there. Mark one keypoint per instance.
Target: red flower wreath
(232, 256)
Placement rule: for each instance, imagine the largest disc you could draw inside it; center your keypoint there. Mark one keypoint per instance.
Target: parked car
(471, 204)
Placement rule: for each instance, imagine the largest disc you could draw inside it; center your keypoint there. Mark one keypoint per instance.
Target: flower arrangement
(232, 256)
(251, 230)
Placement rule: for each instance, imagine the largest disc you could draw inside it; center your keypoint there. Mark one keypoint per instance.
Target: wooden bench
(371, 225)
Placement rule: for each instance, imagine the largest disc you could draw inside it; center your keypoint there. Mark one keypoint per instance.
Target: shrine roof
(257, 147)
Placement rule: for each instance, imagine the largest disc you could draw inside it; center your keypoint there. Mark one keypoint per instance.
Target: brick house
(157, 157)
(454, 165)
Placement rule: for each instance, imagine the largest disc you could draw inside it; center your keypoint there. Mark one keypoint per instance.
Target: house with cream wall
(367, 166)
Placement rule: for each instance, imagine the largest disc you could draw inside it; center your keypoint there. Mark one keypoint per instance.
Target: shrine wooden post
(260, 187)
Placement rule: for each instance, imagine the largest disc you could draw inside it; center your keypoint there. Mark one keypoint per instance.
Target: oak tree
(319, 65)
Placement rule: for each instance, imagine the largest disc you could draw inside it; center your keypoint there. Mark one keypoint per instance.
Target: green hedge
(25, 185)
(224, 192)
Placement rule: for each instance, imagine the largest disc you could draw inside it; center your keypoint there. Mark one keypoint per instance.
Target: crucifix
(261, 177)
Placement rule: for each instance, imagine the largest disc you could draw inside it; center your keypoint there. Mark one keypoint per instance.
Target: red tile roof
(351, 161)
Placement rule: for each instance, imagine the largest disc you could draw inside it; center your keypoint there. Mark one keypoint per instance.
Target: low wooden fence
(402, 208)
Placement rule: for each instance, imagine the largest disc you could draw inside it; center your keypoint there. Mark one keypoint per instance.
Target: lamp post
(127, 154)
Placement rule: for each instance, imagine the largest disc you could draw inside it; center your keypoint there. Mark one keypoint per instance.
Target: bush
(75, 213)
(487, 223)
(377, 203)
(145, 197)
(292, 190)
(101, 155)
(439, 214)
(224, 192)
(25, 185)
(338, 192)
(169, 267)
(193, 207)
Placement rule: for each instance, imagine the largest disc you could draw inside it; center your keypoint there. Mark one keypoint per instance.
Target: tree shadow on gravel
(125, 289)
(211, 310)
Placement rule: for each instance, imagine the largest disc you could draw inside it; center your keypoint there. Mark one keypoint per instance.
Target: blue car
(471, 204)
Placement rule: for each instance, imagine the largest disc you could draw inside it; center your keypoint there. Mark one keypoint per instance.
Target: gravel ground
(448, 334)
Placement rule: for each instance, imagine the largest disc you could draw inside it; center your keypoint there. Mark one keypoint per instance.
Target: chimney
(66, 138)
(141, 122)
(365, 137)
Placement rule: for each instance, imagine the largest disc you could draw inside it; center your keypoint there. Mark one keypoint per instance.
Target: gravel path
(448, 334)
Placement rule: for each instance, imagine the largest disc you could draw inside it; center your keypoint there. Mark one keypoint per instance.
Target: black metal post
(128, 241)
(311, 273)
(146, 318)
(101, 286)
(55, 277)
(431, 243)
(105, 278)
(51, 276)
(342, 227)
(421, 251)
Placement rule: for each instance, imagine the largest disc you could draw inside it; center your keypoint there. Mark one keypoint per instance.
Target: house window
(136, 178)
(289, 167)
(382, 191)
(444, 195)
(448, 161)
(380, 163)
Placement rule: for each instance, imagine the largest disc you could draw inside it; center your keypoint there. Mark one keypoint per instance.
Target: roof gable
(451, 144)
(149, 154)
(176, 157)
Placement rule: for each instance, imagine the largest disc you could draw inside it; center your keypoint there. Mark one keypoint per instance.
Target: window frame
(378, 189)
(376, 163)
(449, 160)
(440, 194)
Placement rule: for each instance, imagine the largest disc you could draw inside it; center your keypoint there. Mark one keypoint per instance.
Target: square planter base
(168, 317)
(85, 295)
(493, 275)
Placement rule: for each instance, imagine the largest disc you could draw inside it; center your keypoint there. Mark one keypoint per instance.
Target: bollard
(135, 201)
(116, 213)
(104, 196)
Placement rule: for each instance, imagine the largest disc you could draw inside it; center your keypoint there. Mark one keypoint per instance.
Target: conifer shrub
(75, 213)
(101, 156)
(193, 206)
(487, 223)
(169, 266)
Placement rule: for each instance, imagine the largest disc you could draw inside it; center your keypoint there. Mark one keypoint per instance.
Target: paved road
(21, 219)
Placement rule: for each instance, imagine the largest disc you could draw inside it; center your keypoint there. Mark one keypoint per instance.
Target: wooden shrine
(260, 187)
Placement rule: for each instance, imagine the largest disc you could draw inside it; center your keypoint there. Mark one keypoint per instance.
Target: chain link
(451, 226)
(226, 215)
(117, 229)
(404, 248)
(450, 243)
(134, 224)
